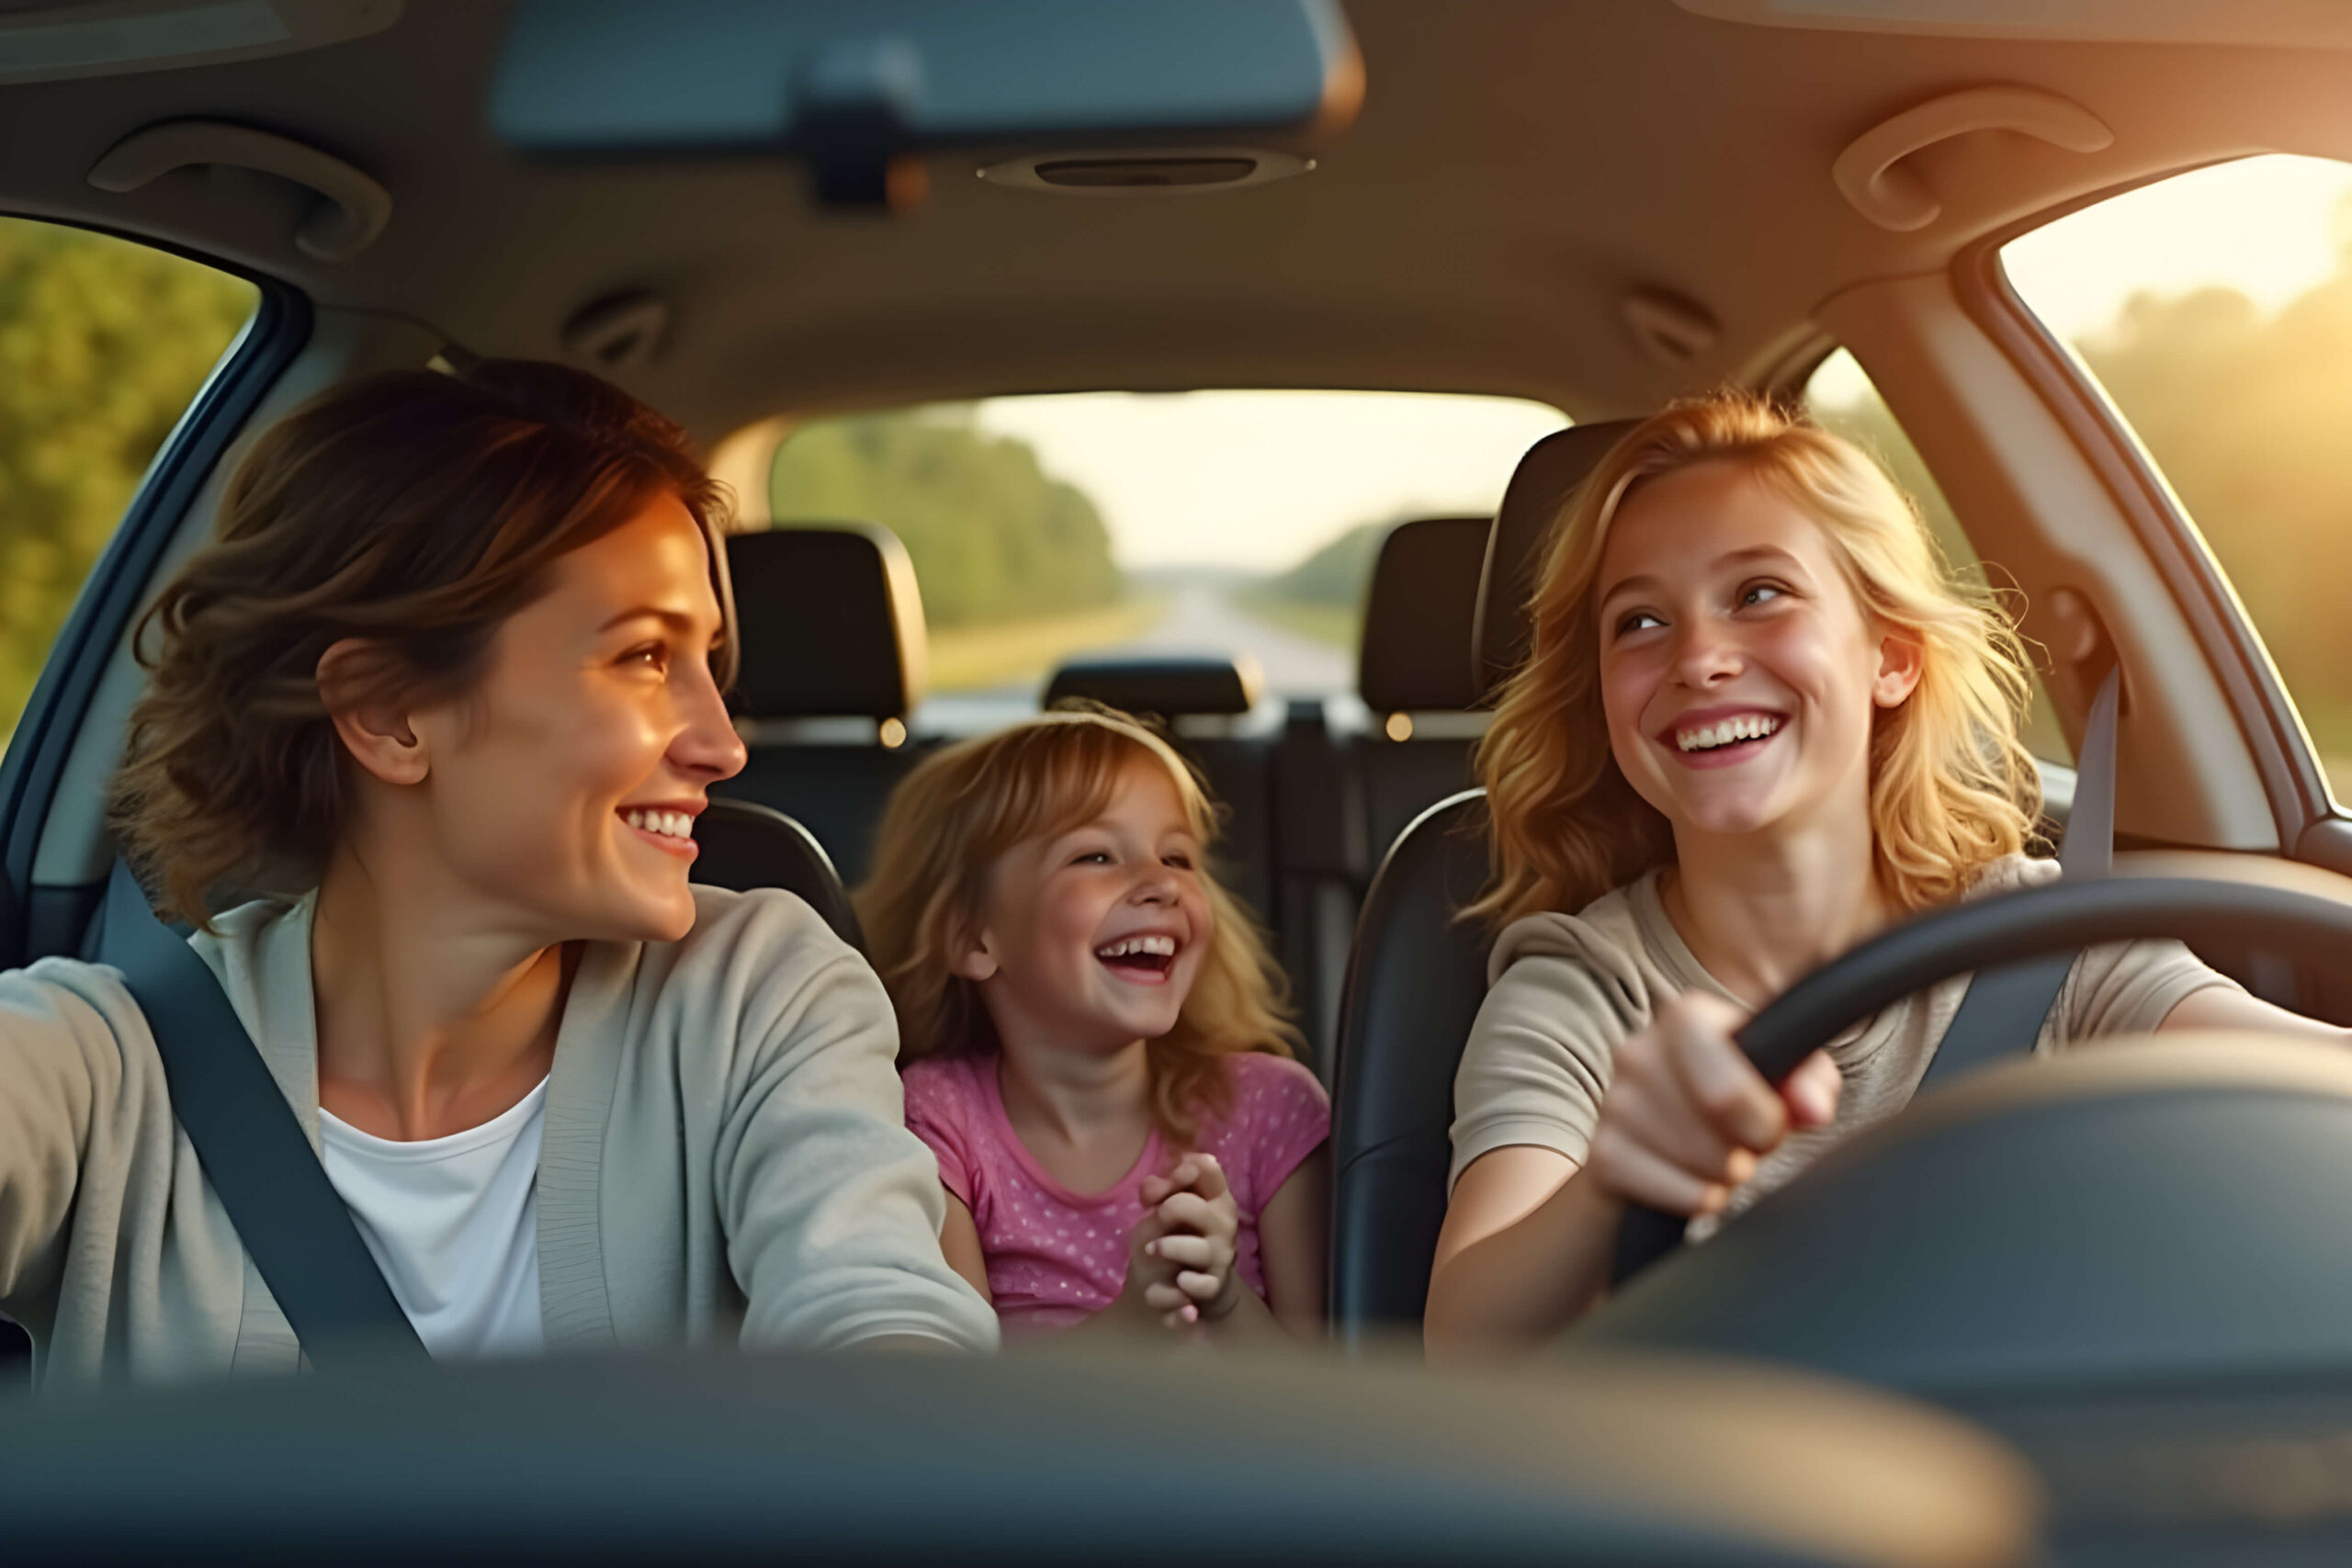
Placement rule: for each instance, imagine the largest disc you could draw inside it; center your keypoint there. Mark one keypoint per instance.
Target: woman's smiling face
(564, 787)
(1739, 673)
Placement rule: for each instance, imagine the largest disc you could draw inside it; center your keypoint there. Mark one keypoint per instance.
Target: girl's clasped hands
(1180, 1258)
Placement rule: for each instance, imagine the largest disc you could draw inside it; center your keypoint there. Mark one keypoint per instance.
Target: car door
(2127, 393)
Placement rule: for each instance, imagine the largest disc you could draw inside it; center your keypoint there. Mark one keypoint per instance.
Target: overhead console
(856, 89)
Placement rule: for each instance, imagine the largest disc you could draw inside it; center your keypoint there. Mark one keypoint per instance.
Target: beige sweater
(725, 1156)
(1565, 989)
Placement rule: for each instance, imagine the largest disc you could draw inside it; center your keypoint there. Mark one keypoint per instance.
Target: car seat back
(1415, 671)
(745, 845)
(1341, 797)
(832, 633)
(1416, 977)
(1416, 973)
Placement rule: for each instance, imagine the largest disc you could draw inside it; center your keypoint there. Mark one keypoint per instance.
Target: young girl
(1760, 720)
(1092, 1041)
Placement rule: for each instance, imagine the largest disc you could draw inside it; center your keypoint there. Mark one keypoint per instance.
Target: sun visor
(853, 86)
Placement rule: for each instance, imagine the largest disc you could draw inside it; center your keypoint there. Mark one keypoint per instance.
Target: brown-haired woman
(449, 681)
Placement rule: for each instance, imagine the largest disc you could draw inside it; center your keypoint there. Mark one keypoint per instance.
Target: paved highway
(1205, 619)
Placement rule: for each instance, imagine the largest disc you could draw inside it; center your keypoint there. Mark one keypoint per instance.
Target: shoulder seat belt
(254, 1151)
(2005, 1008)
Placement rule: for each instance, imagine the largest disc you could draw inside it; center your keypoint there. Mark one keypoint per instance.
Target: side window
(2215, 310)
(104, 343)
(1840, 396)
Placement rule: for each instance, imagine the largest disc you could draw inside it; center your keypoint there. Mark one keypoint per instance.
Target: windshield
(1047, 528)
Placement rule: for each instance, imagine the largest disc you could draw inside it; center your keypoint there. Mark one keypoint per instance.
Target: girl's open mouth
(1725, 741)
(1143, 960)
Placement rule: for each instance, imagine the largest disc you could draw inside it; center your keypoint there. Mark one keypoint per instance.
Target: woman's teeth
(1152, 946)
(671, 824)
(1707, 737)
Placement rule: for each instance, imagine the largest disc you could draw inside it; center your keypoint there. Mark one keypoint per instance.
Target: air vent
(1160, 171)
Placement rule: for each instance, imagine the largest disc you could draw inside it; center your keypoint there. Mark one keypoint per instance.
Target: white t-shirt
(453, 1223)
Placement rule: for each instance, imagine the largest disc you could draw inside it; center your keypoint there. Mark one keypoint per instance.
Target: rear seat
(1342, 797)
(833, 659)
(832, 662)
(1540, 488)
(1414, 671)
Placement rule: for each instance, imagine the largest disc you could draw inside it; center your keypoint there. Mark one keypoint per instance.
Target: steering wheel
(1983, 934)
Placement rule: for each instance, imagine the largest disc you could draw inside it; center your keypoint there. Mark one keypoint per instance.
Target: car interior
(2111, 1327)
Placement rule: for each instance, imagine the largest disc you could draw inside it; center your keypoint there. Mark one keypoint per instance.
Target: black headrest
(1164, 688)
(831, 620)
(1539, 492)
(1417, 619)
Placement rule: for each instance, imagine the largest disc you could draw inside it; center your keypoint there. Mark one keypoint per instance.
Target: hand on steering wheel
(1688, 1118)
(2060, 918)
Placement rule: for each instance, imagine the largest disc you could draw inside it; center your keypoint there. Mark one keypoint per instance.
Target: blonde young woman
(1093, 1039)
(1760, 720)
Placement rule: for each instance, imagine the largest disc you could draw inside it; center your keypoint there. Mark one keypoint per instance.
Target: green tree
(993, 537)
(103, 344)
(1336, 573)
(2248, 419)
(2247, 416)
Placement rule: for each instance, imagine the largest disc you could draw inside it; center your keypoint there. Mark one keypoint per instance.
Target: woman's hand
(1196, 1224)
(1688, 1118)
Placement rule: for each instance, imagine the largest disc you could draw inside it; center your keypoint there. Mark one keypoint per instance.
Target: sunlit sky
(2268, 227)
(1258, 479)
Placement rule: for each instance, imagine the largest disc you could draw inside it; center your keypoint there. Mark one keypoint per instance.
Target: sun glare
(2270, 228)
(1255, 479)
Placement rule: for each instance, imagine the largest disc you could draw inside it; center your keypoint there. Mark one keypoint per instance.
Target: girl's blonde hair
(956, 813)
(1951, 785)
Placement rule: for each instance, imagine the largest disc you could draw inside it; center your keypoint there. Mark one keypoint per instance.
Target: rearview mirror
(852, 85)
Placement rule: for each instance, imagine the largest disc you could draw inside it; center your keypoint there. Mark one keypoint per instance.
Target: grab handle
(1870, 174)
(355, 209)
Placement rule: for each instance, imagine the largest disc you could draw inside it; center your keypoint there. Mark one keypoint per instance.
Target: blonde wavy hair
(1951, 785)
(956, 813)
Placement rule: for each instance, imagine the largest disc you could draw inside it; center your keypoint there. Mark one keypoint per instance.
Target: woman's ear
(377, 735)
(1901, 656)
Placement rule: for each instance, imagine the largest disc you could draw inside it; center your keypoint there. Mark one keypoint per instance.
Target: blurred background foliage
(103, 346)
(2249, 416)
(1339, 573)
(993, 537)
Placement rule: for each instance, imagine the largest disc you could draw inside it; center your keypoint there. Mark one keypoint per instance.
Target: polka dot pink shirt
(1055, 1256)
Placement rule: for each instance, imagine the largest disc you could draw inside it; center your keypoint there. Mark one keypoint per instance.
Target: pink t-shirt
(1055, 1256)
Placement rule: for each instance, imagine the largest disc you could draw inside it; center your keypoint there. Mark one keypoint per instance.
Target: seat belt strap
(254, 1151)
(2010, 1004)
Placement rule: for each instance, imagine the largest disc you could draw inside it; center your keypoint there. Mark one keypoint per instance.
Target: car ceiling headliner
(1517, 165)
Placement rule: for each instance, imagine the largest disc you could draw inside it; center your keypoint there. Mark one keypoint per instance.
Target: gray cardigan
(725, 1156)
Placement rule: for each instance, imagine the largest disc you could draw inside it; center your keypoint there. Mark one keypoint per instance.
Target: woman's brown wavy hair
(956, 813)
(413, 510)
(1951, 785)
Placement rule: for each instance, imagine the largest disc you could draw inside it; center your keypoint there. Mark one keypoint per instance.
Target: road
(1204, 619)
(1201, 618)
